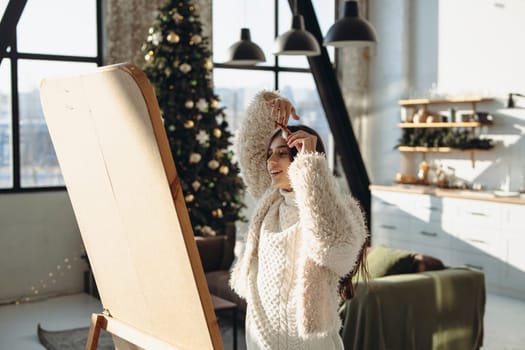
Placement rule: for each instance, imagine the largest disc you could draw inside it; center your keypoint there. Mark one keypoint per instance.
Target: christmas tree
(178, 64)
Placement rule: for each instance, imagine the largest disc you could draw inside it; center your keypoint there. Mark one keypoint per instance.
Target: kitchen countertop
(491, 196)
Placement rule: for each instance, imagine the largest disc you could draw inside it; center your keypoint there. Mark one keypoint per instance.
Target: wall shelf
(437, 149)
(443, 125)
(425, 150)
(425, 101)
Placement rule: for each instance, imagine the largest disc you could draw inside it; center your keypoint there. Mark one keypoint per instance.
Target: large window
(289, 74)
(52, 37)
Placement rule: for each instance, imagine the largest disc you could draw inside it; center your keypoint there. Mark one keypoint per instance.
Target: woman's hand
(282, 109)
(303, 141)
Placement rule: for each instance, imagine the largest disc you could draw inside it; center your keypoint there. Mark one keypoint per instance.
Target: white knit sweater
(294, 255)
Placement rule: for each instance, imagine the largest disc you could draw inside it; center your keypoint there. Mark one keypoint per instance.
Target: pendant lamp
(510, 101)
(297, 41)
(245, 52)
(350, 29)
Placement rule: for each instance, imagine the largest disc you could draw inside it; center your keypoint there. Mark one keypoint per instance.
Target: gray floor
(504, 319)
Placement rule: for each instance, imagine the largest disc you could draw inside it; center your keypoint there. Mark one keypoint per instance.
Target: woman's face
(277, 163)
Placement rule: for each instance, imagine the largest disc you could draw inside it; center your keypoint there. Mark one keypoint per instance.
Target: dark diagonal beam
(336, 112)
(12, 14)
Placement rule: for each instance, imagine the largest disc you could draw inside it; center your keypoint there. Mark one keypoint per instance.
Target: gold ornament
(224, 170)
(217, 132)
(185, 68)
(219, 154)
(189, 198)
(188, 124)
(213, 164)
(173, 37)
(214, 103)
(189, 104)
(196, 185)
(150, 56)
(218, 213)
(196, 39)
(208, 64)
(195, 158)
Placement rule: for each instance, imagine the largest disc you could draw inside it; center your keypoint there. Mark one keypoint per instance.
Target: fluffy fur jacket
(331, 224)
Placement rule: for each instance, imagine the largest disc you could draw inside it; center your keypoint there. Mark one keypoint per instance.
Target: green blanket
(428, 310)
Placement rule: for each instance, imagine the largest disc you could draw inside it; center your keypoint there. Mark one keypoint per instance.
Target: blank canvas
(112, 148)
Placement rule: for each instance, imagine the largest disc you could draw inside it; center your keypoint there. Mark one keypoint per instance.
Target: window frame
(276, 68)
(13, 55)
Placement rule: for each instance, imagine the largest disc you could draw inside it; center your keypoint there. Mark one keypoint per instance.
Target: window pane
(325, 11)
(301, 90)
(229, 16)
(6, 151)
(3, 5)
(236, 89)
(39, 166)
(68, 29)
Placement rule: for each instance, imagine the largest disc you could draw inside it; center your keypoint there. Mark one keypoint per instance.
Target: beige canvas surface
(108, 135)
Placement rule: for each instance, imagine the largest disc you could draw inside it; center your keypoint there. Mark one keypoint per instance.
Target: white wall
(461, 48)
(387, 80)
(40, 246)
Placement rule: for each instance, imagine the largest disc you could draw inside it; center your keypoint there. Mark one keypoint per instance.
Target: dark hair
(347, 284)
(319, 147)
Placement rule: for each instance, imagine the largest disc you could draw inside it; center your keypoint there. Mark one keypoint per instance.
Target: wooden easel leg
(98, 321)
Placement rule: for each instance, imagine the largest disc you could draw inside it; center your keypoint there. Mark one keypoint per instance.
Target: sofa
(410, 301)
(414, 302)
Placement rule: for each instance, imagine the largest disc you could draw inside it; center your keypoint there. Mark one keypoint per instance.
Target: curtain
(126, 24)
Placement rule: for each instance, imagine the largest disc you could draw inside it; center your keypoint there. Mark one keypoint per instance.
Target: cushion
(383, 261)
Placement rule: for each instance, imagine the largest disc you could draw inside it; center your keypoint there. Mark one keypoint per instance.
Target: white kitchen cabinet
(513, 229)
(476, 233)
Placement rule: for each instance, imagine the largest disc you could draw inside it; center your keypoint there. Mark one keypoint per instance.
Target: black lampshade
(350, 29)
(297, 41)
(245, 52)
(510, 101)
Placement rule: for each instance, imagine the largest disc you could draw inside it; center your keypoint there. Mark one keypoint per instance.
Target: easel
(131, 212)
(132, 335)
(105, 322)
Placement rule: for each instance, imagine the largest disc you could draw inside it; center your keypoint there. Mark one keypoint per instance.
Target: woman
(303, 238)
